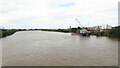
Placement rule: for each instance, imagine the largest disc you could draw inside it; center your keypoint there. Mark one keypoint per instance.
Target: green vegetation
(7, 32)
(114, 32)
(56, 30)
(4, 32)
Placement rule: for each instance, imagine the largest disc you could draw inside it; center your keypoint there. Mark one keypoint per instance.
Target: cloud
(57, 13)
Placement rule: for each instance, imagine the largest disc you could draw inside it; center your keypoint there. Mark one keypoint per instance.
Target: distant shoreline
(114, 32)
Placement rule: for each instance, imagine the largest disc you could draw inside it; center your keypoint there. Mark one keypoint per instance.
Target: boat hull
(82, 34)
(85, 34)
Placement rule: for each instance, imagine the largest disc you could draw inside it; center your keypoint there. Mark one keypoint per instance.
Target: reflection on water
(114, 38)
(37, 48)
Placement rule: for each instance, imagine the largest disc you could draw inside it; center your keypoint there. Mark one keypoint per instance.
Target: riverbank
(7, 32)
(114, 32)
(56, 30)
(4, 32)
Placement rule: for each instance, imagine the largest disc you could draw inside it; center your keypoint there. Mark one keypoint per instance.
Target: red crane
(79, 23)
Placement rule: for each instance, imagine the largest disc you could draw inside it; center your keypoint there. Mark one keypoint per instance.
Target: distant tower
(70, 27)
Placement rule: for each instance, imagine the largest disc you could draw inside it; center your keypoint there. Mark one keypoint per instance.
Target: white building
(105, 26)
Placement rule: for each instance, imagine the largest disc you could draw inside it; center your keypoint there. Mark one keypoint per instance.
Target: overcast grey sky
(57, 13)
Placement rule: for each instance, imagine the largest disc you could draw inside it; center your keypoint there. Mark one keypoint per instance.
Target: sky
(54, 14)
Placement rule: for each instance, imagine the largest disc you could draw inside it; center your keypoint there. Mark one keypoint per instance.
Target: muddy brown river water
(38, 48)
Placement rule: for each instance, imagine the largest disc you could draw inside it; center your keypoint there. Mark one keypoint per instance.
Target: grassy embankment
(7, 32)
(114, 32)
(56, 30)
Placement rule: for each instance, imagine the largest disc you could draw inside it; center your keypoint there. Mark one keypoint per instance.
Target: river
(40, 48)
